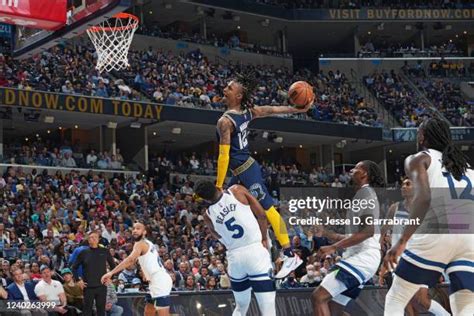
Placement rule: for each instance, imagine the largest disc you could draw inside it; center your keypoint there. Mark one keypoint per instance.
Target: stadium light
(176, 130)
(265, 135)
(49, 119)
(112, 124)
(136, 125)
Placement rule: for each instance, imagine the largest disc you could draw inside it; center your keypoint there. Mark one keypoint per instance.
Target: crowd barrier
(288, 302)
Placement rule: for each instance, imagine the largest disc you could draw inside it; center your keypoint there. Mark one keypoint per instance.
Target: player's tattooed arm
(267, 110)
(224, 128)
(416, 168)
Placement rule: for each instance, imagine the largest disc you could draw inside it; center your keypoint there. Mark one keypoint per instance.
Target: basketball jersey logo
(257, 191)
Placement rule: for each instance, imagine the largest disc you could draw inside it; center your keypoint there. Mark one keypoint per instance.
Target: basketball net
(112, 39)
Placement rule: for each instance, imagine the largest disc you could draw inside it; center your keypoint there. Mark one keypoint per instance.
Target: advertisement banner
(49, 15)
(292, 302)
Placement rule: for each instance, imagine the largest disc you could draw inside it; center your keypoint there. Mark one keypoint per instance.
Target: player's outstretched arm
(267, 110)
(244, 196)
(138, 249)
(345, 241)
(224, 128)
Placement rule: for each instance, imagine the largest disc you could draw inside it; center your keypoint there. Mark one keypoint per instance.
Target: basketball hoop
(112, 39)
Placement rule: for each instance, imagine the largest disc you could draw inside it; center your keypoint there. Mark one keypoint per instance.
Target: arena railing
(296, 301)
(53, 169)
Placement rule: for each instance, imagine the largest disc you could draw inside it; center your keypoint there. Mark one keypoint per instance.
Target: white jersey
(452, 201)
(150, 261)
(234, 222)
(372, 209)
(401, 213)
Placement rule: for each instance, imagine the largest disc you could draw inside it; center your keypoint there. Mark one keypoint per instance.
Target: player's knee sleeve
(462, 303)
(399, 296)
(242, 302)
(279, 226)
(266, 303)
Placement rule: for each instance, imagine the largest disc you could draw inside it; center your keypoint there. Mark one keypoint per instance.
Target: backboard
(36, 28)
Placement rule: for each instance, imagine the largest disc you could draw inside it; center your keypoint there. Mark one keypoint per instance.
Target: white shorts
(350, 274)
(160, 284)
(428, 256)
(249, 263)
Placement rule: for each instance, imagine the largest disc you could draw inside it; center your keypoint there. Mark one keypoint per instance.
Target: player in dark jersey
(232, 132)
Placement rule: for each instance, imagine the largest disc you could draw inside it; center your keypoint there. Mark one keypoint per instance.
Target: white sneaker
(289, 264)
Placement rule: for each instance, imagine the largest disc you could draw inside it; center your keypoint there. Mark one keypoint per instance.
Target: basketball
(300, 94)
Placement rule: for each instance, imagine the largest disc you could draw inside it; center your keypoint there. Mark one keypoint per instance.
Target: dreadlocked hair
(438, 136)
(374, 173)
(248, 81)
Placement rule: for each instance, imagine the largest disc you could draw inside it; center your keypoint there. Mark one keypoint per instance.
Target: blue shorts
(252, 179)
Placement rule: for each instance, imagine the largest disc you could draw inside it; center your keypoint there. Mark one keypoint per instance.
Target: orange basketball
(300, 94)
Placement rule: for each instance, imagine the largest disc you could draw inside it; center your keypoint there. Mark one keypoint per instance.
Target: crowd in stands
(357, 4)
(439, 86)
(385, 49)
(182, 80)
(398, 97)
(45, 219)
(233, 41)
(46, 153)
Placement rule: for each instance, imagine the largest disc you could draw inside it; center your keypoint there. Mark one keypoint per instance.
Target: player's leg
(239, 281)
(88, 301)
(149, 310)
(259, 266)
(330, 288)
(160, 288)
(462, 303)
(409, 278)
(253, 181)
(242, 295)
(422, 297)
(461, 274)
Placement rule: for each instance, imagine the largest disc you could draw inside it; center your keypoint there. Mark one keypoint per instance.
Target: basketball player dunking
(160, 282)
(232, 131)
(442, 180)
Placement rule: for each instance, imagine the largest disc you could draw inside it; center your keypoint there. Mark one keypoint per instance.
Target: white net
(112, 39)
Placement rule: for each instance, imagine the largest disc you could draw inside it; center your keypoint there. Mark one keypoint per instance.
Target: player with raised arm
(442, 180)
(160, 282)
(238, 221)
(362, 256)
(232, 132)
(401, 210)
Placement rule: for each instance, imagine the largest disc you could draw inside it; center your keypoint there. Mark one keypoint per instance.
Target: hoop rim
(121, 15)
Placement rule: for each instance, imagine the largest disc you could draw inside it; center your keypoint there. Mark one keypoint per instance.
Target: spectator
(91, 159)
(303, 252)
(128, 275)
(109, 233)
(49, 290)
(19, 290)
(111, 306)
(290, 282)
(312, 278)
(74, 293)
